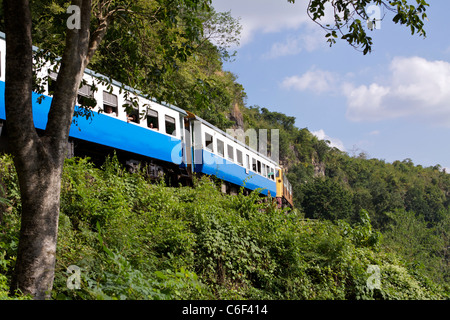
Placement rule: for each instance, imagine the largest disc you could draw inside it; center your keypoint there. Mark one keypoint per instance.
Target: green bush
(133, 239)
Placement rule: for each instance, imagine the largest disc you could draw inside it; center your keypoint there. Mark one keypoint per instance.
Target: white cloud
(415, 88)
(334, 142)
(314, 38)
(267, 16)
(318, 81)
(291, 46)
(310, 39)
(365, 103)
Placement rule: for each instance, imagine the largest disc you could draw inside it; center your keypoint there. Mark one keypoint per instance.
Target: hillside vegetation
(408, 203)
(136, 240)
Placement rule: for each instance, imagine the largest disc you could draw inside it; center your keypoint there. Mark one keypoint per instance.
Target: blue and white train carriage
(219, 154)
(168, 139)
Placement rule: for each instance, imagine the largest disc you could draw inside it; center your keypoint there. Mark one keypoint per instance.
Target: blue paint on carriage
(2, 101)
(109, 131)
(211, 164)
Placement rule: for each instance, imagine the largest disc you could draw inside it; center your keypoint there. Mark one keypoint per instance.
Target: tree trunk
(40, 182)
(39, 159)
(38, 162)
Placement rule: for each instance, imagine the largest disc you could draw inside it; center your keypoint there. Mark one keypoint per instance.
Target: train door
(187, 136)
(189, 142)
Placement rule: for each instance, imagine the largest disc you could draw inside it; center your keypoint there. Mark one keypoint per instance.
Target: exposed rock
(237, 117)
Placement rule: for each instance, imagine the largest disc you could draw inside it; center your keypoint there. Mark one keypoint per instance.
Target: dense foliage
(136, 240)
(408, 203)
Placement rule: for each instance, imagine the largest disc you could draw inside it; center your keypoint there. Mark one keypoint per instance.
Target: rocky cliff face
(319, 168)
(237, 117)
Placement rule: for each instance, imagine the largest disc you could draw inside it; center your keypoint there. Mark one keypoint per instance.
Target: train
(171, 142)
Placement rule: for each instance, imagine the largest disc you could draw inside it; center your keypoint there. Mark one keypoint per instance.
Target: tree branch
(105, 17)
(70, 74)
(19, 74)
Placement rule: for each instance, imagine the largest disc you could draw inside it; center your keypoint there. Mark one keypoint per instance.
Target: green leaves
(326, 199)
(350, 17)
(411, 16)
(133, 239)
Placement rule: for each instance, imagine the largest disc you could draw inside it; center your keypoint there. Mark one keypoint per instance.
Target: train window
(209, 142)
(247, 158)
(254, 164)
(272, 174)
(110, 104)
(170, 125)
(220, 147)
(263, 170)
(230, 152)
(85, 96)
(132, 112)
(239, 157)
(259, 166)
(152, 119)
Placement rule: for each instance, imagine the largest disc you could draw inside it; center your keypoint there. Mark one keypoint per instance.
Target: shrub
(133, 239)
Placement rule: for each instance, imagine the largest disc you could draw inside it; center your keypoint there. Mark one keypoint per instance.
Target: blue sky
(392, 104)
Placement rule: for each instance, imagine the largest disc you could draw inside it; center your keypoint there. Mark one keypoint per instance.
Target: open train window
(85, 96)
(239, 158)
(259, 166)
(247, 158)
(220, 147)
(230, 152)
(254, 164)
(170, 125)
(110, 104)
(209, 142)
(132, 112)
(152, 119)
(271, 174)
